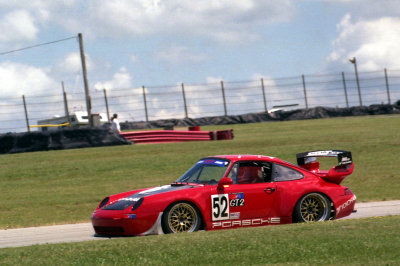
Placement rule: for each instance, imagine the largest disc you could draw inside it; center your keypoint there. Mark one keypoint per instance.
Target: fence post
(263, 91)
(305, 91)
(184, 100)
(85, 80)
(145, 103)
(387, 86)
(345, 90)
(354, 62)
(66, 105)
(26, 114)
(223, 97)
(106, 101)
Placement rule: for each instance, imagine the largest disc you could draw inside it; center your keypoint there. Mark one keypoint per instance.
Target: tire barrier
(103, 136)
(299, 114)
(59, 139)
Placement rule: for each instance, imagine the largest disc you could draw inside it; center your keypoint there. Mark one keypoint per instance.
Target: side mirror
(225, 181)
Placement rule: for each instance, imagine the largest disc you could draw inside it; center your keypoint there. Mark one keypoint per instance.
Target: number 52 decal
(220, 207)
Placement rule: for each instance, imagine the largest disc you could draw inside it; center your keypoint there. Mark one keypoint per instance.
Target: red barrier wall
(163, 136)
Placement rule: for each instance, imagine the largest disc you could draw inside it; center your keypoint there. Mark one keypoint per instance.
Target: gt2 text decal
(236, 199)
(237, 202)
(220, 207)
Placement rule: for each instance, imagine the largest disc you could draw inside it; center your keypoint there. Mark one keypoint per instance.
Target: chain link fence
(22, 113)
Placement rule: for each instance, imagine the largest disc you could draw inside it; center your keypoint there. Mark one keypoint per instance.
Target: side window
(233, 173)
(283, 173)
(251, 172)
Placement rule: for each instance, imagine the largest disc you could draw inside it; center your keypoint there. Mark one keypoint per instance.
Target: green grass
(371, 241)
(57, 187)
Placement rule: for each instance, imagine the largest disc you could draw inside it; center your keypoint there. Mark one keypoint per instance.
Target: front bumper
(114, 223)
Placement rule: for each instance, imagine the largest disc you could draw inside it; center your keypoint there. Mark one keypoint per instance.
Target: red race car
(231, 191)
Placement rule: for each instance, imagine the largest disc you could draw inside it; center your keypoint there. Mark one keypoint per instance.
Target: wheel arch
(329, 199)
(196, 206)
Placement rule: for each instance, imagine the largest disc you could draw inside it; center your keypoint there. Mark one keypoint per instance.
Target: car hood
(127, 200)
(164, 189)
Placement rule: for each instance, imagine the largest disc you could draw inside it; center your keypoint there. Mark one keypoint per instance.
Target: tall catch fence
(147, 103)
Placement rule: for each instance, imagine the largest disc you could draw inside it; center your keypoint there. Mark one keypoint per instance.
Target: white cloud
(42, 10)
(72, 63)
(22, 21)
(17, 79)
(374, 43)
(134, 59)
(17, 26)
(231, 21)
(227, 20)
(213, 80)
(179, 54)
(69, 70)
(273, 94)
(121, 80)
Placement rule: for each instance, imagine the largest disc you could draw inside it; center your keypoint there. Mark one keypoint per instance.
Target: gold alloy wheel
(182, 218)
(314, 207)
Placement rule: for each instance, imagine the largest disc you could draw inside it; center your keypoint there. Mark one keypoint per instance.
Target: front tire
(313, 207)
(181, 217)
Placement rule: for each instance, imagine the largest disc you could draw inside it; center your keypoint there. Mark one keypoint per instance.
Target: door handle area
(269, 190)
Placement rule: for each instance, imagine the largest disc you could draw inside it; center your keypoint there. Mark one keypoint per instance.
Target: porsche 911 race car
(232, 191)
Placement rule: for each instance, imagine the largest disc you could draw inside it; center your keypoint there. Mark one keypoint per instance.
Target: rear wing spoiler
(344, 157)
(345, 166)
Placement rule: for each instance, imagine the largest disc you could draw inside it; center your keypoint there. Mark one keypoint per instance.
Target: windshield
(205, 171)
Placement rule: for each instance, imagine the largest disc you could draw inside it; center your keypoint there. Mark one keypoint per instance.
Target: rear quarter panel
(290, 192)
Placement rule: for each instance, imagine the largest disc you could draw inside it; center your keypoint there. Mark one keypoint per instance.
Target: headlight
(137, 204)
(103, 202)
(123, 203)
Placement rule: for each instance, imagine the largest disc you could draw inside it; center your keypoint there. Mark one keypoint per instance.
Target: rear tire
(313, 207)
(181, 217)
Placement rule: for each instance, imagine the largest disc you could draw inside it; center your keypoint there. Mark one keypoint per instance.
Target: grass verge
(371, 241)
(57, 187)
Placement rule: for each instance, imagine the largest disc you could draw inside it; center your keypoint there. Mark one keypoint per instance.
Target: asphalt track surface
(84, 231)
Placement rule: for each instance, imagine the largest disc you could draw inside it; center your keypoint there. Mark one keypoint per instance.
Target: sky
(130, 43)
